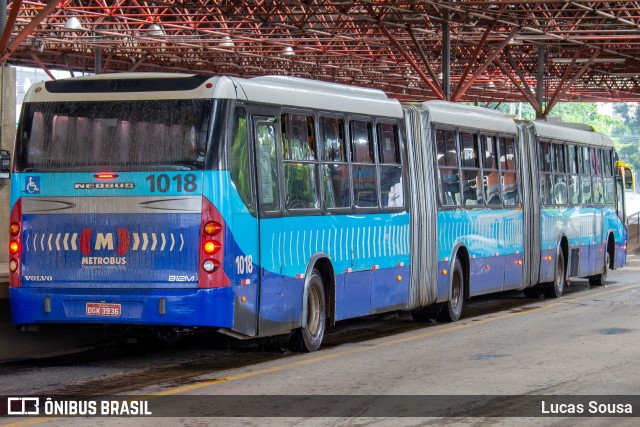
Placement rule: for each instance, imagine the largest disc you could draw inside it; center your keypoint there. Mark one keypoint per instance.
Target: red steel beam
(26, 31)
(526, 92)
(488, 62)
(561, 93)
(41, 65)
(526, 88)
(11, 20)
(424, 57)
(410, 60)
(474, 55)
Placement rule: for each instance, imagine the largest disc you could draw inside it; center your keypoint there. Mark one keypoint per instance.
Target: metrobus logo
(88, 241)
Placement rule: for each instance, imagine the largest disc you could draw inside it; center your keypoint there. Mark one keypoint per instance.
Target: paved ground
(585, 343)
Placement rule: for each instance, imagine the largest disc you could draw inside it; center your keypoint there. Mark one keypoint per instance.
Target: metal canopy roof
(591, 49)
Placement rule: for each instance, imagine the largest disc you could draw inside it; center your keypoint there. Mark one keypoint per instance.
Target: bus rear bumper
(175, 307)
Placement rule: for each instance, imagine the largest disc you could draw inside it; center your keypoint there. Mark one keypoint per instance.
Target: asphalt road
(585, 343)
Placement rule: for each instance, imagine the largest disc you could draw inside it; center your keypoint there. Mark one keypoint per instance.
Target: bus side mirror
(5, 164)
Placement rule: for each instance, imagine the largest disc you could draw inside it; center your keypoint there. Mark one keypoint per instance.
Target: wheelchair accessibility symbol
(33, 185)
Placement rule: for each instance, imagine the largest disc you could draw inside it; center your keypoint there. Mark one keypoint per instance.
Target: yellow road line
(413, 337)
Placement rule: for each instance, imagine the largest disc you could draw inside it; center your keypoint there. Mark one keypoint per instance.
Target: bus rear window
(119, 135)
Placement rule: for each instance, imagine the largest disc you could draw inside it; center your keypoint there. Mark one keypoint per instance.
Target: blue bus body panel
(103, 250)
(586, 230)
(184, 307)
(494, 241)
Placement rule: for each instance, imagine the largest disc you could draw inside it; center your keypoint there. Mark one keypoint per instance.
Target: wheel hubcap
(559, 276)
(313, 316)
(455, 291)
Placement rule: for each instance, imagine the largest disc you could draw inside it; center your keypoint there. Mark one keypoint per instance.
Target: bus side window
(574, 180)
(546, 180)
(391, 190)
(447, 156)
(490, 171)
(471, 177)
(559, 175)
(509, 175)
(598, 183)
(586, 177)
(299, 149)
(267, 166)
(609, 184)
(336, 190)
(240, 160)
(365, 182)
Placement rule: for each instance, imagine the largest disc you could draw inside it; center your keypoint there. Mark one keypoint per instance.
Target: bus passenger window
(546, 180)
(559, 177)
(586, 189)
(364, 175)
(447, 155)
(240, 161)
(335, 170)
(490, 171)
(391, 190)
(574, 181)
(471, 177)
(298, 145)
(509, 177)
(267, 166)
(609, 191)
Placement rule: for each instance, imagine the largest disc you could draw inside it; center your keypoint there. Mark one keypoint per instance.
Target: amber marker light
(14, 247)
(444, 272)
(14, 229)
(212, 228)
(243, 299)
(211, 247)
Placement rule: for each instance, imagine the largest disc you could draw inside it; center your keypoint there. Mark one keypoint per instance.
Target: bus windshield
(118, 135)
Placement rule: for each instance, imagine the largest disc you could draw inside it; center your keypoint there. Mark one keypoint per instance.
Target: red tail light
(14, 247)
(211, 273)
(15, 244)
(106, 176)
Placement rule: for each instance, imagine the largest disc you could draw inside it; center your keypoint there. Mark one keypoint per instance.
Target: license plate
(102, 309)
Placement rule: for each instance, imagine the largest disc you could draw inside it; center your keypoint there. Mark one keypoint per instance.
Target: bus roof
(470, 117)
(276, 90)
(570, 132)
(305, 93)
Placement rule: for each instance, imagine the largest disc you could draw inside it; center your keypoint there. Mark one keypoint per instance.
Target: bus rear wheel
(453, 308)
(601, 279)
(556, 288)
(310, 336)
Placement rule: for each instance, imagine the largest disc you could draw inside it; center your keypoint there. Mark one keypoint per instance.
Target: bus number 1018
(244, 264)
(163, 183)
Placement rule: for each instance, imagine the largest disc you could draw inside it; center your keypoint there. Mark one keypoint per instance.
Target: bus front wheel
(310, 337)
(453, 308)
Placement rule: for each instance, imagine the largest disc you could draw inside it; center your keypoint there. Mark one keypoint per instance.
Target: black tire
(533, 292)
(556, 288)
(453, 308)
(310, 337)
(601, 279)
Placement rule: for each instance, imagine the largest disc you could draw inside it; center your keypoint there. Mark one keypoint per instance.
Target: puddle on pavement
(613, 331)
(488, 356)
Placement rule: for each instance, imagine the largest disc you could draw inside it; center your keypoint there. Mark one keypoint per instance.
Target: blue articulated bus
(275, 205)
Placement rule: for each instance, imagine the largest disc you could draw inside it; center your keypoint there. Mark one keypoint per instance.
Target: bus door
(268, 160)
